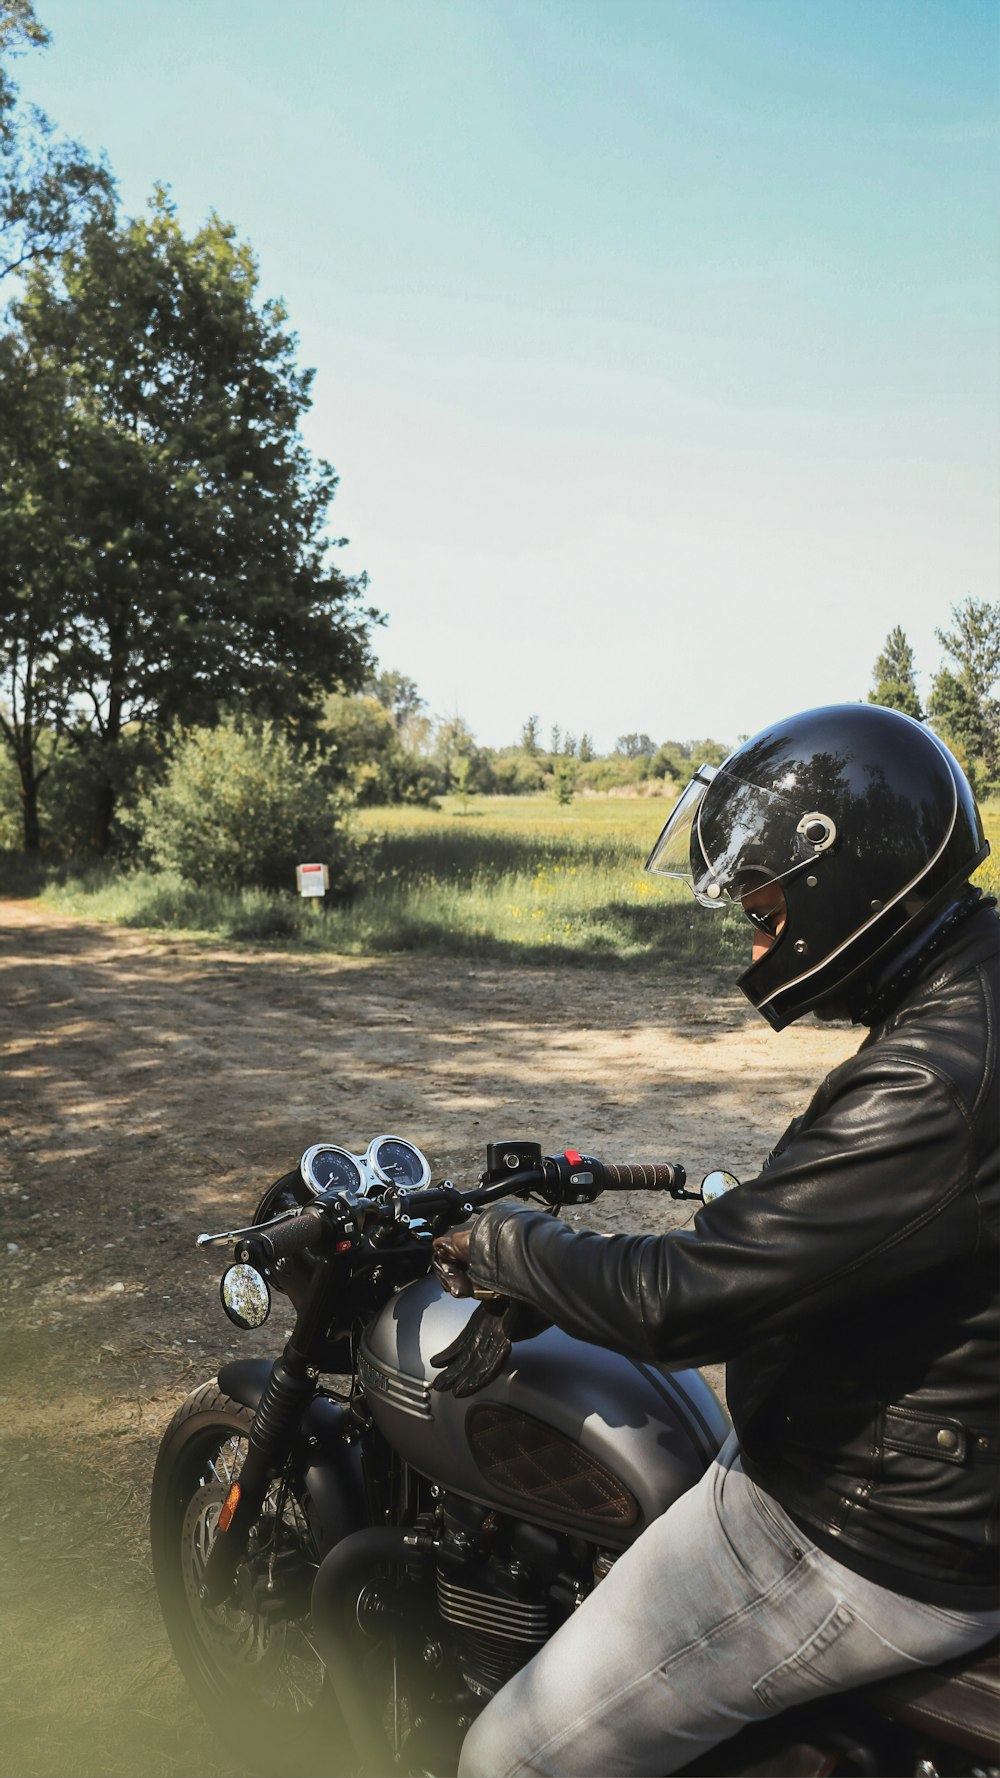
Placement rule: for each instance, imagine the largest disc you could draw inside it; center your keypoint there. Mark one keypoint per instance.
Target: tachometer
(397, 1162)
(325, 1167)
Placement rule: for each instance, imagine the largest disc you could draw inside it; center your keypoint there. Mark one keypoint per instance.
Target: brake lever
(254, 1229)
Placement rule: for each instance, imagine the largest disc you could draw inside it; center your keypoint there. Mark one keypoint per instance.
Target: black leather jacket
(851, 1288)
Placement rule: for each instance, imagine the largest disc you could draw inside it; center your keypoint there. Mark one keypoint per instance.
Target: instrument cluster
(387, 1161)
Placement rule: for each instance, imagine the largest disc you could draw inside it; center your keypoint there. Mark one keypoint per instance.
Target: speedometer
(325, 1168)
(397, 1162)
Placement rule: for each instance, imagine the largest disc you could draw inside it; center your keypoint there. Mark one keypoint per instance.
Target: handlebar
(559, 1179)
(658, 1176)
(295, 1234)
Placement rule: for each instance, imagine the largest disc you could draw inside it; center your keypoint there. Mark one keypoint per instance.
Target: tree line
(962, 707)
(399, 752)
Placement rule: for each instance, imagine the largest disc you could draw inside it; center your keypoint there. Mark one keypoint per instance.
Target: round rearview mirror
(245, 1297)
(715, 1185)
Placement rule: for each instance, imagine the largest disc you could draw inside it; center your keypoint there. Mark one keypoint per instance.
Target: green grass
(525, 876)
(514, 877)
(988, 874)
(637, 818)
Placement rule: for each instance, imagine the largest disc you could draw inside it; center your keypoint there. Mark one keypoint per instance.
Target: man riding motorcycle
(848, 1529)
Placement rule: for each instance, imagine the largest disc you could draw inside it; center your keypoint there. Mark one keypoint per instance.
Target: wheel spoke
(238, 1647)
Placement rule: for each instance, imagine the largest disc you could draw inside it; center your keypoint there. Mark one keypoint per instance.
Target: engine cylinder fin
(487, 1662)
(497, 1615)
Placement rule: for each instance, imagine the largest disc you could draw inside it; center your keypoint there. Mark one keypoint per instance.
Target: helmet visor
(671, 855)
(744, 839)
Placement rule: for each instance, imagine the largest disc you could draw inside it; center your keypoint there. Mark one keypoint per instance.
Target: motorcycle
(350, 1563)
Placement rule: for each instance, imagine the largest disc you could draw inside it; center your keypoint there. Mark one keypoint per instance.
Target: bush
(516, 772)
(615, 772)
(239, 807)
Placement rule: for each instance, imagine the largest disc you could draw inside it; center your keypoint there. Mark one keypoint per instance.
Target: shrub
(564, 779)
(615, 772)
(516, 772)
(261, 919)
(240, 806)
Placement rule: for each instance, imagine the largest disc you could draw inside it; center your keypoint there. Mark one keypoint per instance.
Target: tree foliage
(894, 683)
(37, 558)
(963, 704)
(167, 445)
(368, 752)
(635, 746)
(398, 694)
(564, 776)
(530, 742)
(48, 184)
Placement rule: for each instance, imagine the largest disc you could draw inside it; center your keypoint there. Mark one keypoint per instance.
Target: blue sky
(656, 340)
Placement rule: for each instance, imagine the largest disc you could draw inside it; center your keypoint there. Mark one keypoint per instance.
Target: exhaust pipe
(336, 1593)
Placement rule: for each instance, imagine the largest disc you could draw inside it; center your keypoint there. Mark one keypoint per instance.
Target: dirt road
(151, 1090)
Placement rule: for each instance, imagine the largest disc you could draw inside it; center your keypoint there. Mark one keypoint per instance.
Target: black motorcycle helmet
(864, 819)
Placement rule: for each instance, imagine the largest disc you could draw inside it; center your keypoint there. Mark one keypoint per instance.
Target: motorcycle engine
(504, 1586)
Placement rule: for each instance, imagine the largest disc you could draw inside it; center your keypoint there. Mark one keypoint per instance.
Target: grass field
(484, 877)
(988, 875)
(518, 876)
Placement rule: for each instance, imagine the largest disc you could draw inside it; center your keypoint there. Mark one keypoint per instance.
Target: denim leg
(720, 1614)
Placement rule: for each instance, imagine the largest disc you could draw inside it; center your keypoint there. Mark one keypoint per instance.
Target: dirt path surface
(151, 1090)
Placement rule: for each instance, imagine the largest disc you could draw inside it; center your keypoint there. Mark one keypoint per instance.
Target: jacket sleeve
(875, 1188)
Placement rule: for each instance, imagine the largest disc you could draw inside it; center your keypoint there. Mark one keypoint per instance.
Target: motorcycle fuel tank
(569, 1434)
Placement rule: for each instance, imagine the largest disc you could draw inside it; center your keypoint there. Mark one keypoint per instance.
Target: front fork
(279, 1411)
(289, 1390)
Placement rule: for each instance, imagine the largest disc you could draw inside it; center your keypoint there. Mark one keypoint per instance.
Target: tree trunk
(104, 815)
(29, 814)
(28, 781)
(107, 795)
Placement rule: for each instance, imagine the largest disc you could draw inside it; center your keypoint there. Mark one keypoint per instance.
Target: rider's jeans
(722, 1613)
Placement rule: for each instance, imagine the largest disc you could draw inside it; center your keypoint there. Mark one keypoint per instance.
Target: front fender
(325, 1454)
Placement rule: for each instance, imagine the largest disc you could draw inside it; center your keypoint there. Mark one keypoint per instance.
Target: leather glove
(450, 1259)
(483, 1346)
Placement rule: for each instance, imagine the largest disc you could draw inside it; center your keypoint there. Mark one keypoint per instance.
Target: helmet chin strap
(872, 1002)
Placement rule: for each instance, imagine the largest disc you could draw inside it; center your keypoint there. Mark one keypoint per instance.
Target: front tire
(252, 1667)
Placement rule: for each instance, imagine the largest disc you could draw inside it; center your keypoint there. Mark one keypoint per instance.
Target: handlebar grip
(644, 1176)
(295, 1234)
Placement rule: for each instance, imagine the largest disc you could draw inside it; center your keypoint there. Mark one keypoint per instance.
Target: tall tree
(397, 693)
(36, 562)
(635, 746)
(48, 184)
(894, 683)
(530, 735)
(200, 576)
(963, 704)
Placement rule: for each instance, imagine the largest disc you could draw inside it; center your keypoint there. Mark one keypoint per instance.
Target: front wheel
(250, 1662)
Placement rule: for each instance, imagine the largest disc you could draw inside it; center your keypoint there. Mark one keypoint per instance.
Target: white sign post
(312, 881)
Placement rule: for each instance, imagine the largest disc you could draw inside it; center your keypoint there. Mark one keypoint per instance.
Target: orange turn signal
(229, 1506)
